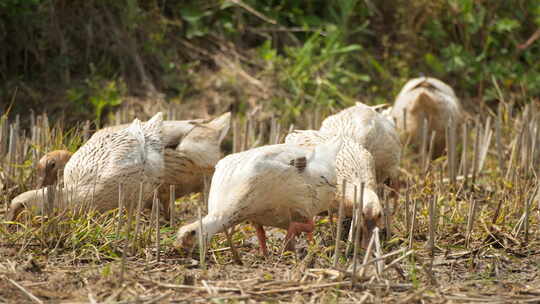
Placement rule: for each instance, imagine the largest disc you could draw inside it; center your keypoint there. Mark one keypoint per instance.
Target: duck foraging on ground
(191, 150)
(355, 165)
(375, 133)
(128, 157)
(194, 157)
(430, 99)
(282, 186)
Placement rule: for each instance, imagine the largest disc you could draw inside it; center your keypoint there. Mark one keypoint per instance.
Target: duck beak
(184, 247)
(14, 212)
(367, 232)
(181, 248)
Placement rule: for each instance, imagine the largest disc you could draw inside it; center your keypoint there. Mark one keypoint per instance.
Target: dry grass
(489, 253)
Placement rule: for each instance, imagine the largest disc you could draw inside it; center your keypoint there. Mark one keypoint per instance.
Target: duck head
(50, 165)
(186, 237)
(30, 200)
(373, 216)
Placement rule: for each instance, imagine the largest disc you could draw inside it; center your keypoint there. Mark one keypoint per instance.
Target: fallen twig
(26, 292)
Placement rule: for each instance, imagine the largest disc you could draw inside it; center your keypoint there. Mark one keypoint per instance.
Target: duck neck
(212, 225)
(367, 177)
(184, 163)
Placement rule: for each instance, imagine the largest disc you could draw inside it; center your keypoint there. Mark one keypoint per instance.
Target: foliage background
(87, 57)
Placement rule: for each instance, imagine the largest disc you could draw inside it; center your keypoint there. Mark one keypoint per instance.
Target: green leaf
(347, 49)
(226, 4)
(192, 14)
(506, 25)
(434, 63)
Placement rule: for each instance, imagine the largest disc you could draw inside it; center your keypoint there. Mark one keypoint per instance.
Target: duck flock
(283, 185)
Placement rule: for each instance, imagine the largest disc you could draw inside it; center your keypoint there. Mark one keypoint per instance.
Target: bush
(322, 53)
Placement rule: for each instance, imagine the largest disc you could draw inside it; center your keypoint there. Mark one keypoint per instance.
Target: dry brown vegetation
(465, 229)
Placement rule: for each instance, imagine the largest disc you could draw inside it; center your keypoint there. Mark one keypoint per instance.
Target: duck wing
(127, 156)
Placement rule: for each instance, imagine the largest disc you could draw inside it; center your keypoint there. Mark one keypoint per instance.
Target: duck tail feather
(154, 146)
(135, 130)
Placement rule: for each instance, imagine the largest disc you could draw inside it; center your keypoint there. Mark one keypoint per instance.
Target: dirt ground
(484, 274)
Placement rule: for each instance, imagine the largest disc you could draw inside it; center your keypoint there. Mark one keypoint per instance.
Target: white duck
(192, 149)
(194, 157)
(51, 165)
(281, 185)
(374, 132)
(127, 156)
(431, 99)
(355, 165)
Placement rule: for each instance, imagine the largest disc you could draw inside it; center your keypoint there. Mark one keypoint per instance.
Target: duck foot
(295, 228)
(261, 236)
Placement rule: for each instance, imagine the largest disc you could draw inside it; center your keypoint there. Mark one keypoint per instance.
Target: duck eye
(192, 233)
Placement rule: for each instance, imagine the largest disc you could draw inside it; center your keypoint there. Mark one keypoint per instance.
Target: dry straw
(464, 163)
(351, 237)
(432, 222)
(476, 155)
(120, 208)
(339, 225)
(202, 241)
(470, 222)
(156, 221)
(172, 199)
(139, 212)
(236, 257)
(358, 227)
(423, 147)
(413, 224)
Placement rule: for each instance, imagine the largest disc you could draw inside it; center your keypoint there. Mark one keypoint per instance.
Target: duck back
(128, 156)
